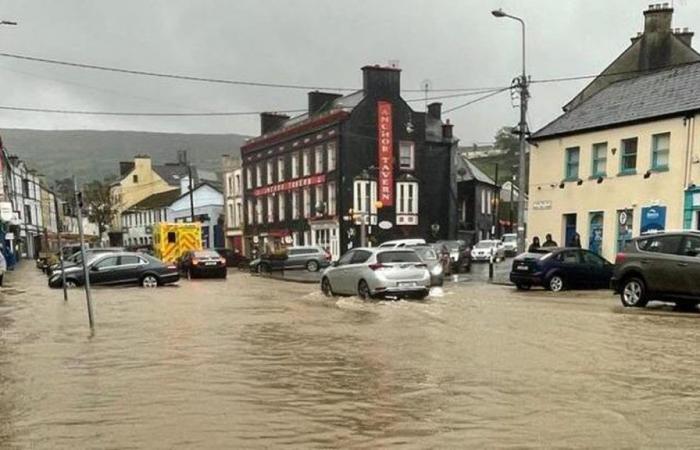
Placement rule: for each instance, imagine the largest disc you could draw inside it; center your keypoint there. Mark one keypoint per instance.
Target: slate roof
(471, 172)
(665, 93)
(172, 173)
(160, 200)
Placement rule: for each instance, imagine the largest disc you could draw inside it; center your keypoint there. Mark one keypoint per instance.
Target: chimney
(381, 81)
(657, 19)
(270, 122)
(685, 35)
(142, 163)
(184, 185)
(320, 101)
(447, 130)
(435, 110)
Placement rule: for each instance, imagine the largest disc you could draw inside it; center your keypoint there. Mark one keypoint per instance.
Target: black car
(659, 266)
(195, 263)
(557, 269)
(119, 268)
(234, 258)
(76, 258)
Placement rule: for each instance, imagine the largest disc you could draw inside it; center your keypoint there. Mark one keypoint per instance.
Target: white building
(208, 202)
(233, 193)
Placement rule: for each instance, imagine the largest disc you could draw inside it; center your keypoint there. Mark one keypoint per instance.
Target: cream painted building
(624, 158)
(138, 181)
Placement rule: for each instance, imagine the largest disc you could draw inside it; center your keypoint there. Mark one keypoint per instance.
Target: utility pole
(494, 206)
(189, 176)
(60, 249)
(86, 274)
(523, 83)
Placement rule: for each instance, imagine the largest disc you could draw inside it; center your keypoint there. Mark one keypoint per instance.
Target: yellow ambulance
(171, 240)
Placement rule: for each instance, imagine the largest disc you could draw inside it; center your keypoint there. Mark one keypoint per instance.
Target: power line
(613, 74)
(478, 99)
(148, 114)
(209, 79)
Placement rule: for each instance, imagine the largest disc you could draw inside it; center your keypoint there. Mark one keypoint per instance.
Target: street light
(522, 129)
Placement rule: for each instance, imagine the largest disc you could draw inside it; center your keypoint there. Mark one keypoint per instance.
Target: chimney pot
(318, 101)
(381, 81)
(435, 110)
(657, 19)
(270, 122)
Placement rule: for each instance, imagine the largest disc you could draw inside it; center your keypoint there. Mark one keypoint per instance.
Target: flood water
(255, 363)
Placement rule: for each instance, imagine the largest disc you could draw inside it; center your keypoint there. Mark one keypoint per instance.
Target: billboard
(385, 153)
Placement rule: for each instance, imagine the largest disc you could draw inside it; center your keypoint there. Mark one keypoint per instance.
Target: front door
(595, 233)
(569, 229)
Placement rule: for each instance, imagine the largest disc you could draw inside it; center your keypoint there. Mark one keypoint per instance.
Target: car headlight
(437, 270)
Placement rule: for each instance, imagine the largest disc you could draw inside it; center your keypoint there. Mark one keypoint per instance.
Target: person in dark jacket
(535, 244)
(548, 242)
(576, 241)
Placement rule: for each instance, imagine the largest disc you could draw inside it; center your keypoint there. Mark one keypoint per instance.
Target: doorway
(569, 229)
(595, 232)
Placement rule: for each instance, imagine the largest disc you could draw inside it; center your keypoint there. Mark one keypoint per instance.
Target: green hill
(93, 154)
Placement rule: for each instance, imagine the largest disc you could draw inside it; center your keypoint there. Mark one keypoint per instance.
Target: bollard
(491, 268)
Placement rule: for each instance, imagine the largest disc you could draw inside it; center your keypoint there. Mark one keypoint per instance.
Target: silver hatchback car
(377, 272)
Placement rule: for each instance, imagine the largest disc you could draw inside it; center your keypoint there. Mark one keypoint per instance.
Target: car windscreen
(510, 238)
(397, 257)
(426, 253)
(485, 244)
(533, 255)
(452, 245)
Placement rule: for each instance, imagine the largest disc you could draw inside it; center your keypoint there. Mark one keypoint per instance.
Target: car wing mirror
(94, 269)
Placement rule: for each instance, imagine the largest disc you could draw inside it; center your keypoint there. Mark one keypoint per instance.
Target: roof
(666, 93)
(471, 172)
(199, 185)
(159, 200)
(171, 173)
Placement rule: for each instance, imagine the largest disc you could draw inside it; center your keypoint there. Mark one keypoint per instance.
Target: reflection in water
(217, 364)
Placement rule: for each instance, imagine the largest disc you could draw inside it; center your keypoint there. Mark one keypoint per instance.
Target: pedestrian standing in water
(576, 241)
(535, 244)
(549, 242)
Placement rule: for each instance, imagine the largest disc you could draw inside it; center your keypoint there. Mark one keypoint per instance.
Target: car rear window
(206, 254)
(397, 257)
(661, 244)
(426, 253)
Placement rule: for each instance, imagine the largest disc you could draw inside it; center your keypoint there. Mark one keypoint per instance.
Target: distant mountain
(93, 154)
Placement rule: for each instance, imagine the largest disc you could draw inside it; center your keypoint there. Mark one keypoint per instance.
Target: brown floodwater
(256, 363)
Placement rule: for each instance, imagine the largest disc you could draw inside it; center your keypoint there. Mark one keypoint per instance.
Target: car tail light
(376, 266)
(195, 261)
(620, 258)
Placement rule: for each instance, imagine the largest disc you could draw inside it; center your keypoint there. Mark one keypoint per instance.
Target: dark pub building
(309, 179)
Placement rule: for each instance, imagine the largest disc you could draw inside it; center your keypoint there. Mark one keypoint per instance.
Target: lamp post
(522, 130)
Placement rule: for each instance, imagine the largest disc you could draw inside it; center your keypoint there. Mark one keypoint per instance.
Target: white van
(399, 243)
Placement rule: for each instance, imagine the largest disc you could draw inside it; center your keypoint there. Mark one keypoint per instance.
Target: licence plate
(522, 268)
(210, 264)
(406, 284)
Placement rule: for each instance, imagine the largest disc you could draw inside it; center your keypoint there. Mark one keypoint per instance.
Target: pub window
(258, 176)
(295, 205)
(249, 178)
(280, 169)
(660, 145)
(407, 198)
(270, 209)
(330, 155)
(318, 160)
(270, 174)
(600, 158)
(281, 216)
(306, 163)
(365, 196)
(331, 199)
(258, 211)
(307, 202)
(319, 199)
(295, 165)
(572, 159)
(628, 161)
(406, 155)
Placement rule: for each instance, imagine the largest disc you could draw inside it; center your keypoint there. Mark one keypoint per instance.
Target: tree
(506, 140)
(100, 205)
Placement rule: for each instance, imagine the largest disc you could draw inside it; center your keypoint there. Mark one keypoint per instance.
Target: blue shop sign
(653, 219)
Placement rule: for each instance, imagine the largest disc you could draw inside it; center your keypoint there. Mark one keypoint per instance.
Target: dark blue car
(557, 269)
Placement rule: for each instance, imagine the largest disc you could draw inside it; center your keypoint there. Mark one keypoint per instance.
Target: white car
(510, 243)
(483, 251)
(400, 243)
(377, 272)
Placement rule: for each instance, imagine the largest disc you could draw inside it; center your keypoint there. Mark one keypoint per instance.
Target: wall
(129, 192)
(548, 202)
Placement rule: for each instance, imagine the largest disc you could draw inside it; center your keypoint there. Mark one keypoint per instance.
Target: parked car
(76, 258)
(399, 243)
(311, 258)
(483, 250)
(662, 266)
(510, 244)
(377, 272)
(234, 258)
(557, 269)
(119, 268)
(431, 259)
(196, 263)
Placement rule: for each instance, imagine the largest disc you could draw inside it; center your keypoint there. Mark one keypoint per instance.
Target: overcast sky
(452, 43)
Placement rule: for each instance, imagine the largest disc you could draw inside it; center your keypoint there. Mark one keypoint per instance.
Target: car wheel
(363, 290)
(71, 284)
(633, 293)
(556, 283)
(312, 266)
(523, 287)
(149, 281)
(326, 287)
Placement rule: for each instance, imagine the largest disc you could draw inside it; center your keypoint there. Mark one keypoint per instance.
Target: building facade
(477, 196)
(234, 199)
(624, 161)
(368, 156)
(208, 202)
(138, 220)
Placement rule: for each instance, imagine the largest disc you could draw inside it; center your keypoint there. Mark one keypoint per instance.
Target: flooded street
(256, 363)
